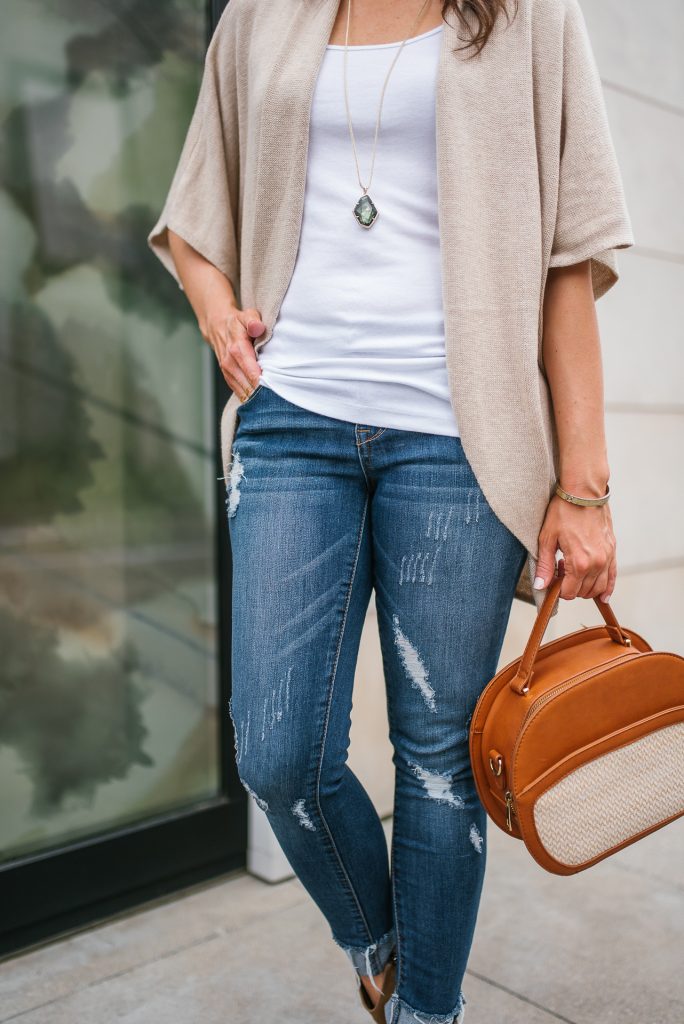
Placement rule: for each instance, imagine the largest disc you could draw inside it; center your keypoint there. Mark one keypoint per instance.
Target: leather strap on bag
(521, 680)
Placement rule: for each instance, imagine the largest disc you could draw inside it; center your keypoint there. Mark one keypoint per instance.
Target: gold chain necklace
(366, 211)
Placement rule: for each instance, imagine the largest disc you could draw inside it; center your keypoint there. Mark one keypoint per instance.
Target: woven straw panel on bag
(614, 797)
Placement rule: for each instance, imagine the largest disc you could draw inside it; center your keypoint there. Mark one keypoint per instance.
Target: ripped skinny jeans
(321, 512)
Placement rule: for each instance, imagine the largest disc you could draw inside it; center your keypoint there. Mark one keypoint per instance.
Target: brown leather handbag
(577, 747)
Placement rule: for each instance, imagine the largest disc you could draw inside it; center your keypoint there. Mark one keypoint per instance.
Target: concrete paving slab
(602, 947)
(288, 972)
(284, 970)
(157, 930)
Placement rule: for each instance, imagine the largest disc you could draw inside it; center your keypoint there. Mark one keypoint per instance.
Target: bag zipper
(567, 684)
(507, 800)
(539, 703)
(510, 810)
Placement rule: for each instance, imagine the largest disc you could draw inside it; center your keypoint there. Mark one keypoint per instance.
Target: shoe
(377, 1012)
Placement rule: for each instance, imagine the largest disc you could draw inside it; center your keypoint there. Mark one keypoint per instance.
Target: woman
(433, 370)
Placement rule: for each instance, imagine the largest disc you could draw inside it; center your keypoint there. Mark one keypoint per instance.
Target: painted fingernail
(538, 583)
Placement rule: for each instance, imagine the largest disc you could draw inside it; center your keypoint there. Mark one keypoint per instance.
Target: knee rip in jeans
(302, 815)
(438, 786)
(237, 471)
(476, 838)
(413, 665)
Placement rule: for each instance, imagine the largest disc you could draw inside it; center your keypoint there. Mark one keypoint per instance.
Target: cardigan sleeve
(202, 202)
(592, 220)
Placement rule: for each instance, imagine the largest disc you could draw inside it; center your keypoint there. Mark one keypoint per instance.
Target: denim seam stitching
(325, 729)
(391, 721)
(367, 439)
(399, 959)
(363, 468)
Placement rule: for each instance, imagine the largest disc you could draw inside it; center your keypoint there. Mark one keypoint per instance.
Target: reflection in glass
(108, 685)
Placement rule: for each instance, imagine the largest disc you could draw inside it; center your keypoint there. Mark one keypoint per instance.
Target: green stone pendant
(365, 211)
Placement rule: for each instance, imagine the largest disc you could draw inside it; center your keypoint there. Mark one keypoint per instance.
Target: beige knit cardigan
(527, 179)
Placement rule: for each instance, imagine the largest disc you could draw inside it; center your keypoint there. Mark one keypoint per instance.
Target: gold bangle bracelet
(586, 502)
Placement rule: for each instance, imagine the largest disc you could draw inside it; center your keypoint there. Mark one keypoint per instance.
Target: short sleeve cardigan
(527, 180)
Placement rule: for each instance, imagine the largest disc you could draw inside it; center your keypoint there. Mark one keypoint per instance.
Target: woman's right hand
(230, 331)
(231, 335)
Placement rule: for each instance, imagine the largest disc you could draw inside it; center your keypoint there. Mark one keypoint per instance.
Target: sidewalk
(602, 947)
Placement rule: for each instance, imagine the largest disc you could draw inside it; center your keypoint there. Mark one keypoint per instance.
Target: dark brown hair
(483, 13)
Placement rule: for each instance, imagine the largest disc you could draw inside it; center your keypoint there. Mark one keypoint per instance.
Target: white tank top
(360, 332)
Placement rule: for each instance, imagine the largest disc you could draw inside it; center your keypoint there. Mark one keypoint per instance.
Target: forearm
(572, 360)
(209, 292)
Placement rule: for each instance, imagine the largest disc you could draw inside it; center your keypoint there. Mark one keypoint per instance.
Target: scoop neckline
(383, 46)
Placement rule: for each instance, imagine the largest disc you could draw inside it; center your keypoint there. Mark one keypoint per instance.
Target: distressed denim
(321, 512)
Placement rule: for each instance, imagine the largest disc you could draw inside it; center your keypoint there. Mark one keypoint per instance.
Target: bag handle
(521, 681)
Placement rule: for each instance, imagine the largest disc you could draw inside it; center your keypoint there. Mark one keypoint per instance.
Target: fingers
(600, 584)
(236, 356)
(572, 581)
(601, 575)
(255, 326)
(589, 583)
(605, 580)
(546, 562)
(612, 576)
(588, 579)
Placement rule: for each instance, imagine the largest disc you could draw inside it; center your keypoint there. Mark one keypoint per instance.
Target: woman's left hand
(585, 536)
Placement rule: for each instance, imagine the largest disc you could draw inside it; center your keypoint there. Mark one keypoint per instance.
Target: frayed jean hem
(399, 1012)
(370, 960)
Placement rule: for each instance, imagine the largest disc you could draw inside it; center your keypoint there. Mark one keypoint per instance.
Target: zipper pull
(509, 809)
